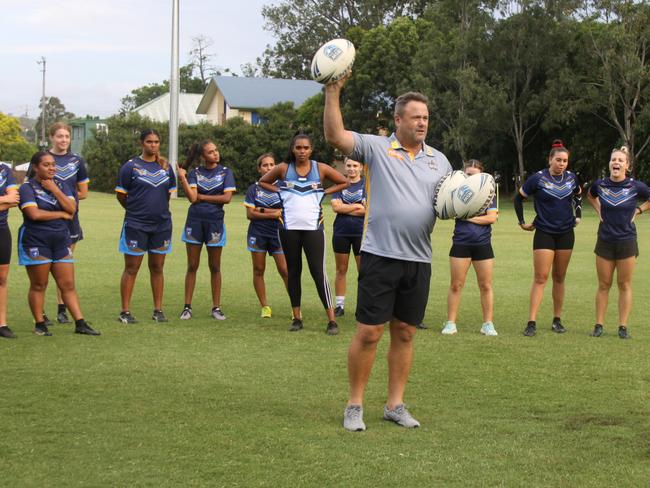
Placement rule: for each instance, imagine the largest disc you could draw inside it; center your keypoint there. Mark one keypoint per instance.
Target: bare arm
(354, 209)
(67, 203)
(35, 213)
(487, 219)
(11, 199)
(121, 197)
(329, 173)
(256, 213)
(219, 199)
(82, 191)
(190, 193)
(335, 132)
(277, 173)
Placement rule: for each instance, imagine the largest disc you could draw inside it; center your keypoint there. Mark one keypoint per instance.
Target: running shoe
(339, 311)
(421, 326)
(41, 330)
(217, 314)
(531, 329)
(557, 327)
(127, 318)
(622, 332)
(6, 332)
(85, 329)
(48, 322)
(158, 316)
(296, 325)
(598, 331)
(62, 318)
(401, 416)
(186, 314)
(332, 328)
(353, 418)
(267, 313)
(449, 328)
(487, 329)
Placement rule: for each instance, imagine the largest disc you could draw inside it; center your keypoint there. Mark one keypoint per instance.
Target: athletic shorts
(478, 252)
(136, 242)
(42, 247)
(212, 234)
(264, 244)
(342, 244)
(392, 288)
(76, 234)
(555, 242)
(613, 251)
(5, 245)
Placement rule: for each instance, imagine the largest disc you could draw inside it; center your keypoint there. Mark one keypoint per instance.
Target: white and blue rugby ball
(443, 197)
(332, 61)
(463, 197)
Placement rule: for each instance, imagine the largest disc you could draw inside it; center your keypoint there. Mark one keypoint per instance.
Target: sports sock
(41, 324)
(187, 305)
(556, 320)
(340, 301)
(61, 308)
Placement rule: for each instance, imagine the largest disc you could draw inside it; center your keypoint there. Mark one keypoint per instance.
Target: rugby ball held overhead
(332, 61)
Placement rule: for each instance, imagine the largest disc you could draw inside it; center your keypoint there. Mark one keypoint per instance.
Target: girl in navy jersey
(208, 187)
(44, 240)
(264, 209)
(144, 184)
(71, 171)
(557, 205)
(616, 201)
(8, 199)
(472, 246)
(350, 208)
(299, 182)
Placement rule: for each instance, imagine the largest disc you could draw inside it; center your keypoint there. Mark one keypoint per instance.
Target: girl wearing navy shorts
(144, 184)
(70, 171)
(557, 205)
(299, 182)
(208, 187)
(44, 240)
(472, 246)
(8, 199)
(350, 208)
(615, 199)
(264, 209)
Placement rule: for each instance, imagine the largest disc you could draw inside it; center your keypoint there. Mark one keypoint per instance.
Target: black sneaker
(598, 331)
(62, 318)
(48, 322)
(421, 326)
(7, 333)
(41, 330)
(296, 325)
(158, 316)
(86, 329)
(332, 328)
(531, 329)
(127, 318)
(558, 328)
(339, 311)
(622, 332)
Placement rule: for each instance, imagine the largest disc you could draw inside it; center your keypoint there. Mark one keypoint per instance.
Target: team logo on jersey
(188, 231)
(465, 194)
(314, 186)
(133, 244)
(395, 154)
(332, 51)
(215, 236)
(33, 252)
(166, 243)
(289, 184)
(252, 241)
(432, 164)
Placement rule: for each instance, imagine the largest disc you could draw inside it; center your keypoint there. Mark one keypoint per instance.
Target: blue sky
(99, 50)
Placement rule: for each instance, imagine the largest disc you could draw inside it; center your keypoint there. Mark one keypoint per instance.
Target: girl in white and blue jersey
(208, 187)
(616, 200)
(8, 199)
(299, 182)
(264, 209)
(472, 246)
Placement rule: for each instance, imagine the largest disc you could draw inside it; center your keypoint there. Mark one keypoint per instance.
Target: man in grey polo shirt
(401, 173)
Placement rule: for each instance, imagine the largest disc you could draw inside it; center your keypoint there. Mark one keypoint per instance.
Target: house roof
(158, 108)
(251, 93)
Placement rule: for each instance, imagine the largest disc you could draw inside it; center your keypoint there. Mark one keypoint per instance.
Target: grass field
(245, 403)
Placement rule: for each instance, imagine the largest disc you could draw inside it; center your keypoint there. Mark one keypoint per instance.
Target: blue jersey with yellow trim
(470, 234)
(256, 196)
(301, 199)
(215, 181)
(32, 194)
(618, 202)
(7, 182)
(350, 225)
(553, 200)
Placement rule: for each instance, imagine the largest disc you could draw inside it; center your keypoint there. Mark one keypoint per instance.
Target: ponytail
(35, 161)
(195, 152)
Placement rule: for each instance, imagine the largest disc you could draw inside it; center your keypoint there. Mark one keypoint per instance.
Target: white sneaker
(449, 328)
(217, 314)
(488, 329)
(401, 416)
(353, 418)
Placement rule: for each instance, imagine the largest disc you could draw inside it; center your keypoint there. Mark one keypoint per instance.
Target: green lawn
(245, 403)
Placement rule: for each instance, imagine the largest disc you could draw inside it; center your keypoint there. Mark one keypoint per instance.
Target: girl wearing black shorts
(616, 201)
(472, 246)
(557, 205)
(8, 199)
(350, 208)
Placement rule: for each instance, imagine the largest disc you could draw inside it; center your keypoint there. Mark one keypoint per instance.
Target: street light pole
(43, 143)
(174, 82)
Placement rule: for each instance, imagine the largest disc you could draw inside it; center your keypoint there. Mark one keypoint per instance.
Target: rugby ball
(474, 195)
(332, 61)
(443, 201)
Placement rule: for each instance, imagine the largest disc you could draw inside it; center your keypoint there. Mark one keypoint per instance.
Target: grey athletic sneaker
(158, 316)
(217, 314)
(186, 314)
(353, 418)
(401, 416)
(127, 318)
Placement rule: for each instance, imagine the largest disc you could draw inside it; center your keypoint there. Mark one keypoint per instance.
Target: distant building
(82, 131)
(158, 109)
(234, 96)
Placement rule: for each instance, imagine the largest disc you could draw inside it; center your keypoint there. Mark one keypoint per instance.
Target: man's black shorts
(613, 251)
(554, 242)
(392, 288)
(480, 252)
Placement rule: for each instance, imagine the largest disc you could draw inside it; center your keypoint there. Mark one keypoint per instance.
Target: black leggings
(313, 242)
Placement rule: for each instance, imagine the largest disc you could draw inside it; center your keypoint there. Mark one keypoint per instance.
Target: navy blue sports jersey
(7, 182)
(350, 225)
(215, 181)
(147, 186)
(32, 194)
(553, 200)
(470, 234)
(70, 170)
(256, 196)
(618, 202)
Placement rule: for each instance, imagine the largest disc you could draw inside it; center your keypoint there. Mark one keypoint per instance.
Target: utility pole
(43, 143)
(174, 85)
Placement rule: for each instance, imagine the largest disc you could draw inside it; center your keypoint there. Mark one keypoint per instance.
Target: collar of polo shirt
(395, 144)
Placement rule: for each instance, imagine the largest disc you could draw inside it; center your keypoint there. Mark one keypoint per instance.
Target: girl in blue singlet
(264, 209)
(299, 182)
(208, 187)
(616, 200)
(8, 199)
